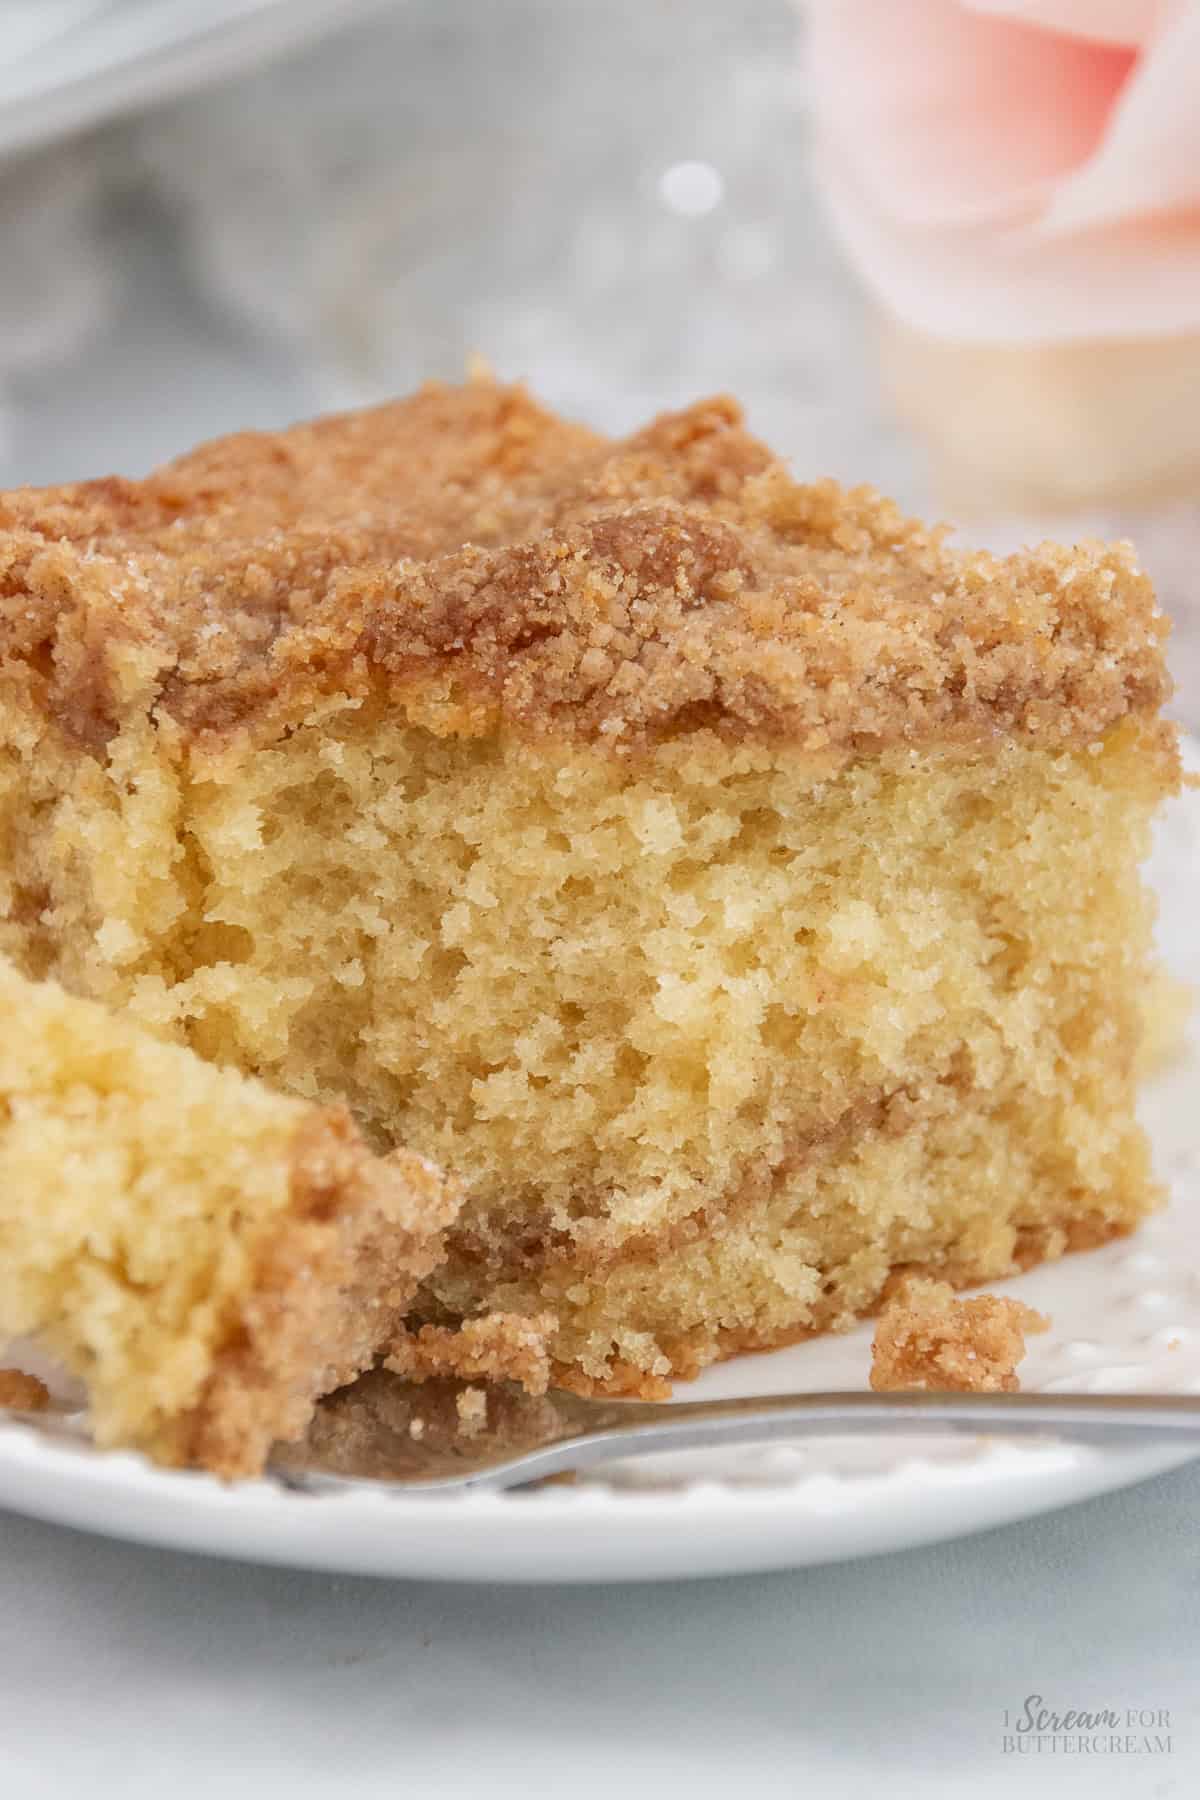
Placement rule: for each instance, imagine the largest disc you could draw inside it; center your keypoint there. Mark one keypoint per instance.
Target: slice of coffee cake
(734, 884)
(210, 1257)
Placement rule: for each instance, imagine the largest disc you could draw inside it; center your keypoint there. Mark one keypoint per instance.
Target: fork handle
(701, 1424)
(1088, 1417)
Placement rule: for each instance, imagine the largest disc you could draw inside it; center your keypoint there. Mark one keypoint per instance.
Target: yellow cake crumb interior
(136, 1183)
(208, 1255)
(714, 1037)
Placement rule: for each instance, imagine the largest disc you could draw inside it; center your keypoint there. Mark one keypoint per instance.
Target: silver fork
(559, 1433)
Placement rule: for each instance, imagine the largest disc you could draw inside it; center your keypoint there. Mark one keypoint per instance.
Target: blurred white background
(613, 201)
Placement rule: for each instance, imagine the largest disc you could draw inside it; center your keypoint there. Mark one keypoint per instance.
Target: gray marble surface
(132, 1674)
(281, 247)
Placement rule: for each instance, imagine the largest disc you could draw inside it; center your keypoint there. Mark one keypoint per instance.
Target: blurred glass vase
(1024, 429)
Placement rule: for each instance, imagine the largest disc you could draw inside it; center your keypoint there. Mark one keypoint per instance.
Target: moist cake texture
(734, 884)
(209, 1256)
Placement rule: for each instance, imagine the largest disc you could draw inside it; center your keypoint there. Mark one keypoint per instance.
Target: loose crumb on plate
(928, 1338)
(24, 1393)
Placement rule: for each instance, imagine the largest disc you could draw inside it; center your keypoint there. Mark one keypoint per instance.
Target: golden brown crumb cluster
(493, 1347)
(479, 560)
(926, 1338)
(24, 1393)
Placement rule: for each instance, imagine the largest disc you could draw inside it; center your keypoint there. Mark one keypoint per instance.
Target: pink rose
(1016, 170)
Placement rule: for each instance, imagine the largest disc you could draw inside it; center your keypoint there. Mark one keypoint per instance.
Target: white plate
(1124, 1317)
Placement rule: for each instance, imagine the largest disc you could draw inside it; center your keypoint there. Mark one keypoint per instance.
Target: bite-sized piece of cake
(736, 885)
(926, 1338)
(207, 1255)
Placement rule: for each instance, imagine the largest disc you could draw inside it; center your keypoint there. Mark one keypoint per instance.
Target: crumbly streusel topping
(476, 560)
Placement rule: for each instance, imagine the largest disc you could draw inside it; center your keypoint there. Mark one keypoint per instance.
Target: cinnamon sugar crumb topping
(926, 1338)
(476, 559)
